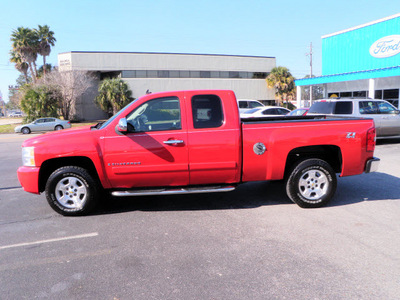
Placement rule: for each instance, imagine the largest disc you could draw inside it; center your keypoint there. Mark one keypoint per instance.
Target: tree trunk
(44, 65)
(36, 73)
(32, 73)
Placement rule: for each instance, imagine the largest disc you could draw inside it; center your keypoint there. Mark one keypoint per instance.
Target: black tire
(312, 183)
(71, 191)
(58, 127)
(25, 130)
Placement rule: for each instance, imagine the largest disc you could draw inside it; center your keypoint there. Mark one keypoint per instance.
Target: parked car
(385, 115)
(185, 142)
(16, 114)
(43, 124)
(246, 104)
(265, 111)
(299, 111)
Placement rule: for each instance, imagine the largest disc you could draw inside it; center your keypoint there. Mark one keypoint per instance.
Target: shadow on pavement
(350, 190)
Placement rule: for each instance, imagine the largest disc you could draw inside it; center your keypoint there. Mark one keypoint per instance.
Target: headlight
(28, 156)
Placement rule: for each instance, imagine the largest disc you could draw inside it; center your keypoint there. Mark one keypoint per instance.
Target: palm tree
(25, 43)
(114, 94)
(282, 80)
(20, 65)
(46, 39)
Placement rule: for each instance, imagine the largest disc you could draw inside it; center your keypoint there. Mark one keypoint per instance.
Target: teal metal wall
(350, 51)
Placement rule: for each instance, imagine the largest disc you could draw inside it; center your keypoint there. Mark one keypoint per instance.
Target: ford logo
(386, 46)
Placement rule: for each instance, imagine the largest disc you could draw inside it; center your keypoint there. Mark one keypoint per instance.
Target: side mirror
(122, 125)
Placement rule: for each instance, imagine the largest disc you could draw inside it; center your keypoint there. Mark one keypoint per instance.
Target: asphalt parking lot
(252, 243)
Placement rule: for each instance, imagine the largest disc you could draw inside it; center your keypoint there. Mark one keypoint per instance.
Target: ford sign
(386, 46)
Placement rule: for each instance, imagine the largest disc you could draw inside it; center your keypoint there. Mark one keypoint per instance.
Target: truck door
(214, 140)
(154, 152)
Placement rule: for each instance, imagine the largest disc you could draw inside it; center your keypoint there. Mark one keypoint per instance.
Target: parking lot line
(81, 236)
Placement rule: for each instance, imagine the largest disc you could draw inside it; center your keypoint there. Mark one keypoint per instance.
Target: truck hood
(63, 136)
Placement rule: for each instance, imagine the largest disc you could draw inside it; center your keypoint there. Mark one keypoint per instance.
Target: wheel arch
(330, 153)
(49, 166)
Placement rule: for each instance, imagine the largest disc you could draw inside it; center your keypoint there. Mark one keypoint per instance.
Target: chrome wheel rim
(313, 185)
(71, 192)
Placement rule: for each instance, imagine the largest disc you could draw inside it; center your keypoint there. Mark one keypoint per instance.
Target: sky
(280, 29)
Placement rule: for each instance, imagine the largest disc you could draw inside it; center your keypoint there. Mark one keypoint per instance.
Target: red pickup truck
(194, 142)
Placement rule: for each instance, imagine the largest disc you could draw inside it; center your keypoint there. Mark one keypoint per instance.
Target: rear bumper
(372, 165)
(29, 179)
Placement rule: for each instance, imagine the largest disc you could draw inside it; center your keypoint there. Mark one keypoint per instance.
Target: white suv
(246, 104)
(385, 115)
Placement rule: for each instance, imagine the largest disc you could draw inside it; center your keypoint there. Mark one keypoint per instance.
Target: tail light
(371, 140)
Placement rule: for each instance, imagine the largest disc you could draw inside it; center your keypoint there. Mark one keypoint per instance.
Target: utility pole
(310, 53)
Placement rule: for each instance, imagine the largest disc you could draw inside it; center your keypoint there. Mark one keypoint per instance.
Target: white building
(156, 72)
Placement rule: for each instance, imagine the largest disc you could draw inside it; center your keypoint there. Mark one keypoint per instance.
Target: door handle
(173, 142)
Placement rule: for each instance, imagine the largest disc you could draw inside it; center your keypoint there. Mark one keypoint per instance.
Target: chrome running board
(174, 191)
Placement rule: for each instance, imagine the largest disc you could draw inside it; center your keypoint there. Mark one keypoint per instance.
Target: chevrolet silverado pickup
(194, 142)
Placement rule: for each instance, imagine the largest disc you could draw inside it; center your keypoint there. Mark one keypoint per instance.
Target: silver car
(43, 124)
(385, 115)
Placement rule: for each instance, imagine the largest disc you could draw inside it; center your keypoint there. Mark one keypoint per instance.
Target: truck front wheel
(71, 191)
(312, 183)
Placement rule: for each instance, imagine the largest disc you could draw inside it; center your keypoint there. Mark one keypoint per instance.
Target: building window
(391, 94)
(205, 74)
(189, 74)
(378, 94)
(128, 74)
(345, 94)
(258, 75)
(163, 74)
(174, 74)
(360, 94)
(141, 74)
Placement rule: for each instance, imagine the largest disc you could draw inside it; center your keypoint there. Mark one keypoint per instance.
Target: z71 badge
(351, 135)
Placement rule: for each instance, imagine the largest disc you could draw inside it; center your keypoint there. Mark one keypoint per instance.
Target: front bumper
(372, 165)
(29, 179)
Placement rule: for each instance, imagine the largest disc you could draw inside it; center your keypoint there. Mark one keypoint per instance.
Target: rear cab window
(207, 111)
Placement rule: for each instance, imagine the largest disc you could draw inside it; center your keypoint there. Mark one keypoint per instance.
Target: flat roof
(167, 53)
(361, 26)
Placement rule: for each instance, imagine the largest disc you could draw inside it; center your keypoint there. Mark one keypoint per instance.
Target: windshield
(105, 124)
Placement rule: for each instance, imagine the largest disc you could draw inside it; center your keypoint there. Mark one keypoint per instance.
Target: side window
(39, 121)
(207, 111)
(282, 111)
(254, 104)
(243, 104)
(270, 111)
(368, 108)
(156, 115)
(385, 108)
(344, 108)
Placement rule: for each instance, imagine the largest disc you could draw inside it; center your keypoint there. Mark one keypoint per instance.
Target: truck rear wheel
(312, 183)
(71, 191)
